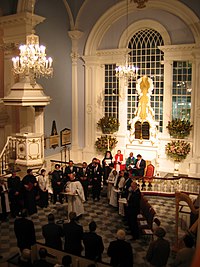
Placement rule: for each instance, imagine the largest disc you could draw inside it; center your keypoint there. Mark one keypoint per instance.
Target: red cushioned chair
(149, 174)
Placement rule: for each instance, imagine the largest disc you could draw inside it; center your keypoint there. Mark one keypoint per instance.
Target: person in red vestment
(118, 161)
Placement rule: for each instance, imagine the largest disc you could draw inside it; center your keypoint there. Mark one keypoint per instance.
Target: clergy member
(76, 196)
(30, 191)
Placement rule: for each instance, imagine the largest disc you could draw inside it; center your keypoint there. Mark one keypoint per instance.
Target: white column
(75, 36)
(194, 166)
(167, 94)
(121, 135)
(90, 103)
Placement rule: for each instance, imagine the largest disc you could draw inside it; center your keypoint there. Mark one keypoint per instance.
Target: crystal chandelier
(127, 71)
(32, 60)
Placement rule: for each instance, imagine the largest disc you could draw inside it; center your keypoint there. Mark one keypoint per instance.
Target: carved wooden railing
(8, 155)
(184, 197)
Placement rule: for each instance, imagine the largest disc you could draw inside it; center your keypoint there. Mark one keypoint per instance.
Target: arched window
(146, 55)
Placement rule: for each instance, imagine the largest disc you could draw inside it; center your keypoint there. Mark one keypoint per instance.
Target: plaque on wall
(65, 137)
(54, 137)
(53, 141)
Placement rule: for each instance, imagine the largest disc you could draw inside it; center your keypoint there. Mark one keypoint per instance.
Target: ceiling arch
(120, 9)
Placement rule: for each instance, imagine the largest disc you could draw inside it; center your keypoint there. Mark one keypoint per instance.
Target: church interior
(124, 77)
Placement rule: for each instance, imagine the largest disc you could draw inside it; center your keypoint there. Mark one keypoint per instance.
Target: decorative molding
(181, 47)
(20, 18)
(119, 10)
(140, 3)
(74, 56)
(89, 109)
(8, 47)
(75, 35)
(113, 52)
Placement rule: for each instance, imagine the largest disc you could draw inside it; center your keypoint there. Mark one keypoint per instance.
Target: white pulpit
(29, 149)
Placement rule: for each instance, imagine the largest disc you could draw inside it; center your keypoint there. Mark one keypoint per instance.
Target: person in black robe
(133, 209)
(83, 176)
(106, 162)
(15, 194)
(96, 178)
(24, 231)
(57, 184)
(30, 192)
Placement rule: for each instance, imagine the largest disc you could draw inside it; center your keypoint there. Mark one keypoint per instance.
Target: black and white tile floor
(108, 222)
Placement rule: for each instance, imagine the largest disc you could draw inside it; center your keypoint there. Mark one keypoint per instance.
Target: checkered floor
(108, 222)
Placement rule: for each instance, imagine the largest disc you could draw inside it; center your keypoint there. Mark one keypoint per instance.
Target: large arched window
(146, 55)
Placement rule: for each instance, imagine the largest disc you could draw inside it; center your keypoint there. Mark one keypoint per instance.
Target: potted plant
(105, 142)
(108, 124)
(179, 128)
(177, 150)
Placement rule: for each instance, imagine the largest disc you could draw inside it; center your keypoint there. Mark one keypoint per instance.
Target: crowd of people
(71, 238)
(75, 241)
(74, 184)
(30, 191)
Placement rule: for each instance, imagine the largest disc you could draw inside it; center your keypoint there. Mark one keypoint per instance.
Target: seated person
(140, 165)
(130, 162)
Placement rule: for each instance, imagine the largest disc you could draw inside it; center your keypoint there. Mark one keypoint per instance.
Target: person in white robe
(4, 201)
(114, 191)
(75, 195)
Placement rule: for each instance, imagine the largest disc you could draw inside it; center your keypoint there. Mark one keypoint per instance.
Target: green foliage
(179, 128)
(108, 125)
(102, 142)
(177, 150)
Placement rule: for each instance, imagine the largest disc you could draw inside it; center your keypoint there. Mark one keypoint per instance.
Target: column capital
(75, 35)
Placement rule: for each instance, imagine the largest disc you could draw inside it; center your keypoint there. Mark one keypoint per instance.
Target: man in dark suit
(140, 165)
(73, 233)
(70, 169)
(93, 243)
(120, 251)
(52, 233)
(83, 176)
(57, 183)
(24, 231)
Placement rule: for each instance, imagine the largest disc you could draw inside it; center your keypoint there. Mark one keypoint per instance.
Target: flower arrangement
(108, 125)
(179, 128)
(177, 150)
(105, 142)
